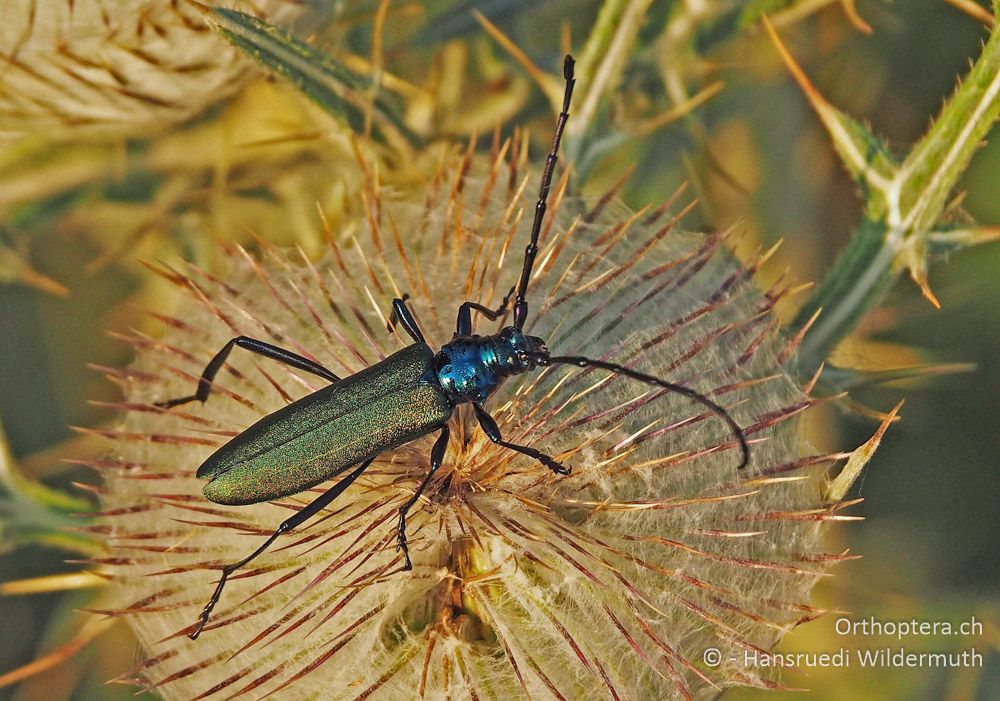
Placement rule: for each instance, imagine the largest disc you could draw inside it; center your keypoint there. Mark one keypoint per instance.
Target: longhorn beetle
(408, 395)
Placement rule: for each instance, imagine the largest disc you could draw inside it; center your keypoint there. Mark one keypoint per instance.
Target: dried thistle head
(612, 582)
(125, 65)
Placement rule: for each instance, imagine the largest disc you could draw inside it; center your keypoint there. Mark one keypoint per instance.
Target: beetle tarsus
(171, 403)
(207, 611)
(401, 539)
(506, 300)
(549, 462)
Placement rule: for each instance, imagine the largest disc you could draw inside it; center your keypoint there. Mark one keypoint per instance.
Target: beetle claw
(556, 466)
(561, 469)
(197, 629)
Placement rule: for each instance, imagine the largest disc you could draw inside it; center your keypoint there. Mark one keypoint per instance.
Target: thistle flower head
(119, 64)
(611, 582)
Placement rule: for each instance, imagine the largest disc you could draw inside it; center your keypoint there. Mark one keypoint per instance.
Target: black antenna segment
(520, 305)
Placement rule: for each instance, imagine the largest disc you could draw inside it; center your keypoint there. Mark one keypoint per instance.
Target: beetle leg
(437, 457)
(291, 523)
(254, 346)
(402, 314)
(489, 425)
(464, 325)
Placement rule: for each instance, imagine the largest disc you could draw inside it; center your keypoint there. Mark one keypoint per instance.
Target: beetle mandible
(404, 397)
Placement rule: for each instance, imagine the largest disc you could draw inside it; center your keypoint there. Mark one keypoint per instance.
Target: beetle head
(517, 350)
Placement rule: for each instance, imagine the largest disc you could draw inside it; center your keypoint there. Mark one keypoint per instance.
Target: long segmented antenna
(579, 361)
(520, 305)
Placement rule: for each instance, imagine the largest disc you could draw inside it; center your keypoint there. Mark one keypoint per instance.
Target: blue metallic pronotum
(408, 395)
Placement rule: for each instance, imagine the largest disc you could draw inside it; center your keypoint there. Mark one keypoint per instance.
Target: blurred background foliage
(703, 99)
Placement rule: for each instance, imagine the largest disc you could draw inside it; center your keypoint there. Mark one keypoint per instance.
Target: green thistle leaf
(903, 203)
(338, 90)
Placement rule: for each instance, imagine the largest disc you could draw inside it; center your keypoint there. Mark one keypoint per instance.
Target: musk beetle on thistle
(404, 397)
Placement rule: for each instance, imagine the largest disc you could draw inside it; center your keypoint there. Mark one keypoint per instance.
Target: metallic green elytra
(410, 394)
(322, 434)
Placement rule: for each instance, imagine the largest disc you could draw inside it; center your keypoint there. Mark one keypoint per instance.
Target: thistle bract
(611, 582)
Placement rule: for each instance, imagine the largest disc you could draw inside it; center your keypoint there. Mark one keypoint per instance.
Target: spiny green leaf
(602, 62)
(861, 275)
(721, 21)
(16, 269)
(16, 534)
(943, 240)
(21, 489)
(838, 487)
(837, 379)
(903, 203)
(862, 153)
(337, 89)
(31, 513)
(458, 20)
(935, 163)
